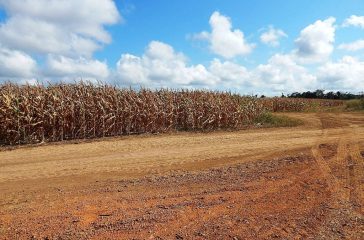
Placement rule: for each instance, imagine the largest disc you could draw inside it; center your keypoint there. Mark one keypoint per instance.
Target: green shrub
(355, 104)
(273, 120)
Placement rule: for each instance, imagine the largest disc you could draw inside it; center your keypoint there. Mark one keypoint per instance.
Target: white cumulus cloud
(282, 74)
(60, 66)
(224, 40)
(162, 66)
(272, 36)
(315, 43)
(66, 33)
(354, 20)
(347, 74)
(354, 46)
(68, 27)
(36, 36)
(231, 75)
(16, 64)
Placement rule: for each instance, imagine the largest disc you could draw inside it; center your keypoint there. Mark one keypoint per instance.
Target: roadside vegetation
(355, 105)
(275, 120)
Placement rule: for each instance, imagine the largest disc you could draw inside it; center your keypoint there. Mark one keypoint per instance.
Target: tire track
(356, 174)
(349, 163)
(344, 176)
(335, 186)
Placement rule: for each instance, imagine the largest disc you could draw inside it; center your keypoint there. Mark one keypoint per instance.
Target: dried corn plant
(33, 114)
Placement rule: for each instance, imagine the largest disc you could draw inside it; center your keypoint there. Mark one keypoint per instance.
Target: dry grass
(355, 105)
(274, 120)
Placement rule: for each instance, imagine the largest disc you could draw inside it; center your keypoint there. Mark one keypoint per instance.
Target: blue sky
(172, 21)
(261, 46)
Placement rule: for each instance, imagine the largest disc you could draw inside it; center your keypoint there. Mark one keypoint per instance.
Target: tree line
(322, 94)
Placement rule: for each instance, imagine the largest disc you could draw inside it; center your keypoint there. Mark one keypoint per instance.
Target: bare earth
(288, 183)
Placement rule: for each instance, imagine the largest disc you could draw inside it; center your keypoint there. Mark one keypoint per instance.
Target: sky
(248, 47)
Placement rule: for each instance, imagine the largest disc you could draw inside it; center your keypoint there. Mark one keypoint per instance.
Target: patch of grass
(354, 105)
(274, 120)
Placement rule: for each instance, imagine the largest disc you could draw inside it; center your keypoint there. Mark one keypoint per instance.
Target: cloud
(231, 75)
(16, 64)
(66, 33)
(315, 43)
(161, 66)
(283, 74)
(70, 68)
(225, 41)
(35, 36)
(69, 27)
(199, 36)
(353, 20)
(354, 46)
(271, 36)
(345, 74)
(86, 17)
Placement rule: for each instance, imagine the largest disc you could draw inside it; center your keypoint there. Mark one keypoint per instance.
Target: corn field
(33, 114)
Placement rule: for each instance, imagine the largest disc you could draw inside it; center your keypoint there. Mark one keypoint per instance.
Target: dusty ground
(290, 183)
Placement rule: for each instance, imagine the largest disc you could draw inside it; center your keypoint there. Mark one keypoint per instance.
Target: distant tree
(338, 94)
(330, 95)
(295, 95)
(320, 94)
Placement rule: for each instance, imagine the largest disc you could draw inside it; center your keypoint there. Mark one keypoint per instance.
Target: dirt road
(286, 183)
